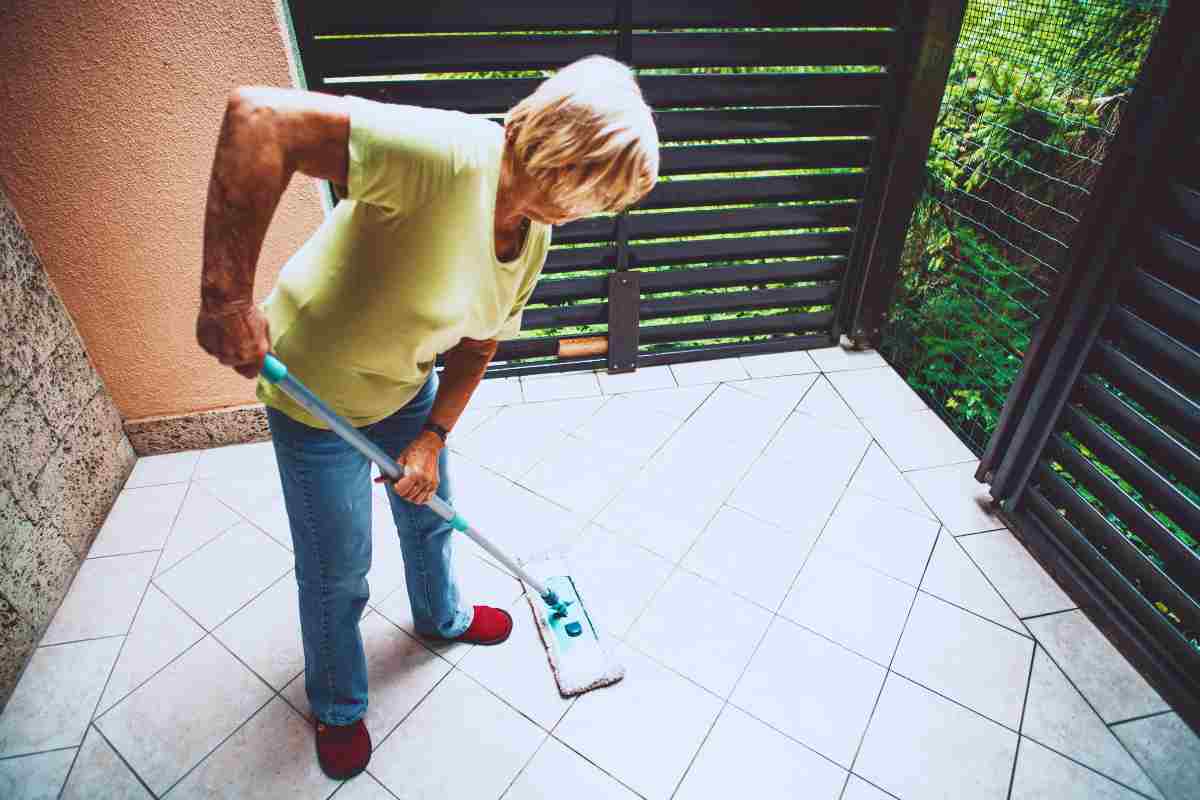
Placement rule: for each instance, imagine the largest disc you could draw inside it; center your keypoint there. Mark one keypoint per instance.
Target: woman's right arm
(267, 134)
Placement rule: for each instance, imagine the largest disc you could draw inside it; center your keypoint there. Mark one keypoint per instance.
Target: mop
(578, 661)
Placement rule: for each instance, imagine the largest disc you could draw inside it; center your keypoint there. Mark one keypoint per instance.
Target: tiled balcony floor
(784, 550)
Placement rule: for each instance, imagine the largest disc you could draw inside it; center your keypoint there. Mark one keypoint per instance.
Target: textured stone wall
(63, 453)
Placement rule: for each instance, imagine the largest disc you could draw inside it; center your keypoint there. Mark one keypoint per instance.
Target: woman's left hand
(420, 463)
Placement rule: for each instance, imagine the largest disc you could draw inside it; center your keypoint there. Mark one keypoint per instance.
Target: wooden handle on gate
(583, 346)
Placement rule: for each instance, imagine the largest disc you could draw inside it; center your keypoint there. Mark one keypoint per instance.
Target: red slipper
(343, 750)
(490, 626)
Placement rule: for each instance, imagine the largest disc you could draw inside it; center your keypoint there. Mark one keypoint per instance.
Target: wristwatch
(438, 429)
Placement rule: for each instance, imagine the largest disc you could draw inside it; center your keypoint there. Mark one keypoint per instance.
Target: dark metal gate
(781, 181)
(1096, 458)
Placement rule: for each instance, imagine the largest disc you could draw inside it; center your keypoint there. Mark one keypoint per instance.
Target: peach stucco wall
(109, 113)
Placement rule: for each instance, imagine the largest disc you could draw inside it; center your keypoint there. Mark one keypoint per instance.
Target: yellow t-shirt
(403, 269)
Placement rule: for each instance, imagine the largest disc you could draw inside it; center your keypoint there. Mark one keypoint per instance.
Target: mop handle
(276, 372)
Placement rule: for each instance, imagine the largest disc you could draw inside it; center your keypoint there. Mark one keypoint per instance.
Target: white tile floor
(785, 551)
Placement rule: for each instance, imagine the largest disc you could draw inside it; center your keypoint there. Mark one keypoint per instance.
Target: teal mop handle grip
(276, 372)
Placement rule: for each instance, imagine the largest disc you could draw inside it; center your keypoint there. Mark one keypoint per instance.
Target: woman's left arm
(465, 364)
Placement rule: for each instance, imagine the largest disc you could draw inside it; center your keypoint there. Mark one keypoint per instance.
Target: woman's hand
(420, 463)
(237, 335)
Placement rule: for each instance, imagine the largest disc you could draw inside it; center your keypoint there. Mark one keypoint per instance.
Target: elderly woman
(436, 249)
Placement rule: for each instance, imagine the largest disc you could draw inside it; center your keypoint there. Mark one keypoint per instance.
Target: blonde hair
(586, 135)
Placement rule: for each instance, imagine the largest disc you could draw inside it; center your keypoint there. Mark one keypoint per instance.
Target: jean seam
(310, 523)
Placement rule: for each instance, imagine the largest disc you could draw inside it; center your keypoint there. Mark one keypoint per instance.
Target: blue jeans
(327, 490)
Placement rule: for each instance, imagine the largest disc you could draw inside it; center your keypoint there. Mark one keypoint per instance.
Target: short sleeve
(401, 156)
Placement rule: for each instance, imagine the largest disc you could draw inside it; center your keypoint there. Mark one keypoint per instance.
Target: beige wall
(109, 112)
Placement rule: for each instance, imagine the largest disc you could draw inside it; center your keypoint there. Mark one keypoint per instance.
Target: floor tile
(858, 789)
(644, 730)
(271, 756)
(363, 787)
(786, 391)
(615, 579)
(677, 403)
(749, 557)
(265, 634)
(400, 672)
(518, 671)
(795, 496)
(508, 447)
(1167, 749)
(103, 598)
(923, 746)
(833, 359)
(824, 403)
(169, 724)
(881, 536)
(1020, 579)
(640, 380)
(99, 772)
(201, 519)
(470, 419)
(811, 689)
(954, 578)
(36, 777)
(459, 723)
(795, 362)
(559, 387)
(970, 660)
(557, 770)
(742, 757)
(730, 414)
(258, 498)
(1057, 716)
(1041, 773)
(56, 695)
(1107, 680)
(665, 518)
(954, 495)
(918, 440)
(878, 477)
(160, 632)
(820, 446)
(238, 461)
(139, 520)
(854, 605)
(696, 372)
(496, 392)
(206, 588)
(166, 468)
(701, 631)
(621, 423)
(584, 475)
(875, 392)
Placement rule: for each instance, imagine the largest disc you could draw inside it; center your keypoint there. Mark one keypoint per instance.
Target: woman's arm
(267, 134)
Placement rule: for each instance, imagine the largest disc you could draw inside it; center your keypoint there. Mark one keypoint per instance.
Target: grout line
(1012, 778)
(1023, 635)
(1048, 613)
(1141, 717)
(121, 555)
(85, 639)
(976, 533)
(125, 640)
(14, 756)
(219, 744)
(93, 726)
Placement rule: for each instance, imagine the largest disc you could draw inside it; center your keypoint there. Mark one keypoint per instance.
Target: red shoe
(490, 626)
(343, 750)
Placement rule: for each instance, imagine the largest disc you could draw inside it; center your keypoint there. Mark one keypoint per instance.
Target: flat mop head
(577, 659)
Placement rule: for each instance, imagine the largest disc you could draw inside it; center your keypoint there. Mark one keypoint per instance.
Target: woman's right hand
(237, 335)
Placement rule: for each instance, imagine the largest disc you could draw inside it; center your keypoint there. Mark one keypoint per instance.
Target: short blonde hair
(586, 134)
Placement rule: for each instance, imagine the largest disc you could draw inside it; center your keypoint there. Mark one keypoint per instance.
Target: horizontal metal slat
(722, 191)
(1174, 410)
(1168, 358)
(1182, 255)
(379, 16)
(577, 259)
(741, 220)
(695, 278)
(1111, 557)
(712, 352)
(1140, 475)
(766, 155)
(1162, 446)
(1180, 563)
(747, 326)
(674, 126)
(588, 229)
(715, 13)
(497, 95)
(1187, 201)
(1173, 310)
(723, 303)
(789, 246)
(417, 54)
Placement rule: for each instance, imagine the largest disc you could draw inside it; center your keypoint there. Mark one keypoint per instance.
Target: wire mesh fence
(1035, 95)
